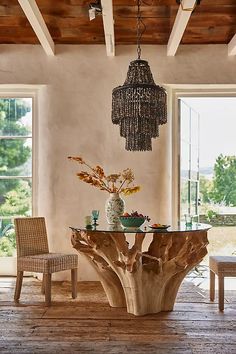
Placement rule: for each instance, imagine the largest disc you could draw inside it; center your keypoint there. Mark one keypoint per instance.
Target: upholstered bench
(223, 266)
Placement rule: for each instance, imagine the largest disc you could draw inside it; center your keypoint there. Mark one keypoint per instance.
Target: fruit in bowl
(157, 225)
(133, 219)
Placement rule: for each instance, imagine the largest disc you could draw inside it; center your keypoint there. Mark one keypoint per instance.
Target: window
(15, 166)
(189, 160)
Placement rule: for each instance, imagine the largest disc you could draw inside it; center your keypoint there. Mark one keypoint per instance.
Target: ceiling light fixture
(139, 106)
(95, 8)
(180, 2)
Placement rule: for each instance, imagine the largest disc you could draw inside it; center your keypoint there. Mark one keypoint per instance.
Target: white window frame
(178, 91)
(8, 264)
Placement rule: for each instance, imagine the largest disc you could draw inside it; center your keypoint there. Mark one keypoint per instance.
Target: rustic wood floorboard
(89, 325)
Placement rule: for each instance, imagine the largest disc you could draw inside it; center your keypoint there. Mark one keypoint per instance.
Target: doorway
(207, 172)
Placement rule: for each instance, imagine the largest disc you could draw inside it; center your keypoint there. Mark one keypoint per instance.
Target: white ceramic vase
(114, 208)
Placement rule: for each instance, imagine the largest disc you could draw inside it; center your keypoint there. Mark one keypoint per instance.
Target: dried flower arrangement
(113, 183)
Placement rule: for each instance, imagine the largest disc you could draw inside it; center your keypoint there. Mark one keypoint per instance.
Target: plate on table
(159, 227)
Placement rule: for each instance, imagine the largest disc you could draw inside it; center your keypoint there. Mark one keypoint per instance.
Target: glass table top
(179, 227)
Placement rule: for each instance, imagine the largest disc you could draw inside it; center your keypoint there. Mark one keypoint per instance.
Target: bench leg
(19, 279)
(212, 285)
(221, 292)
(74, 282)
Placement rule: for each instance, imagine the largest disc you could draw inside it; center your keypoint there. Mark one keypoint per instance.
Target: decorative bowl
(131, 221)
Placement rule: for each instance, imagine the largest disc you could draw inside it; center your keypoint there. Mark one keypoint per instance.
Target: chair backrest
(31, 236)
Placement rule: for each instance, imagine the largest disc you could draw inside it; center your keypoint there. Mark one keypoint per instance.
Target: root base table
(144, 282)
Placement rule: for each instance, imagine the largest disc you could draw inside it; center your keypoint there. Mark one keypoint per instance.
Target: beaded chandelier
(139, 106)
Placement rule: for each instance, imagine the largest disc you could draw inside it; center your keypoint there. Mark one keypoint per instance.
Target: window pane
(184, 190)
(193, 198)
(185, 122)
(194, 162)
(7, 238)
(15, 197)
(194, 128)
(15, 116)
(184, 159)
(16, 157)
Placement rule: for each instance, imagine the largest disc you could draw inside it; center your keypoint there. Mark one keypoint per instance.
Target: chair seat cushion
(47, 262)
(222, 263)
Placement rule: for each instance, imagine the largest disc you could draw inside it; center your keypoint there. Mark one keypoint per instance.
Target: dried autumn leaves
(113, 183)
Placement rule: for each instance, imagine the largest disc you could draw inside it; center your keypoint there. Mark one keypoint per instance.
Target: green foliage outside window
(8, 243)
(18, 202)
(224, 181)
(221, 189)
(205, 186)
(15, 194)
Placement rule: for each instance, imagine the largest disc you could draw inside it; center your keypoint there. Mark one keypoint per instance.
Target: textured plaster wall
(74, 118)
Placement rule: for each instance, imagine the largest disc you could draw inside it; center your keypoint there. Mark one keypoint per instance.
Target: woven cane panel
(47, 263)
(223, 265)
(31, 236)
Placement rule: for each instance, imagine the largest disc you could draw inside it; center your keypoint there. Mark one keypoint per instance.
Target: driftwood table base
(144, 282)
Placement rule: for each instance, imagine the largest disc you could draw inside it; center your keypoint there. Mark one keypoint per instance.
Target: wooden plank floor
(89, 325)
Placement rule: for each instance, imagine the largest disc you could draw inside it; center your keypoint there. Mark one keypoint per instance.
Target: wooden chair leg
(212, 285)
(43, 285)
(47, 285)
(221, 292)
(19, 279)
(74, 282)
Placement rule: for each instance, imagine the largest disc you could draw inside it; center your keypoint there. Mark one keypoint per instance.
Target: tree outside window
(15, 167)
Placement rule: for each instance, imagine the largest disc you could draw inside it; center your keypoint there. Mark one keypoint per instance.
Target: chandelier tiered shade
(139, 107)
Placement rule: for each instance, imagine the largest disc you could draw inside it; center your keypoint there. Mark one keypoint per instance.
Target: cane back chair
(33, 256)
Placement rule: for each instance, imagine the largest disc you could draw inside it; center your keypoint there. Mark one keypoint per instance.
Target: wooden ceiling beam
(232, 46)
(108, 25)
(38, 24)
(183, 15)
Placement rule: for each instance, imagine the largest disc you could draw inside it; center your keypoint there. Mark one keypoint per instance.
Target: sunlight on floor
(204, 282)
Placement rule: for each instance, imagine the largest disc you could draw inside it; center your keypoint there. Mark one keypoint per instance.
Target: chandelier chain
(140, 30)
(139, 34)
